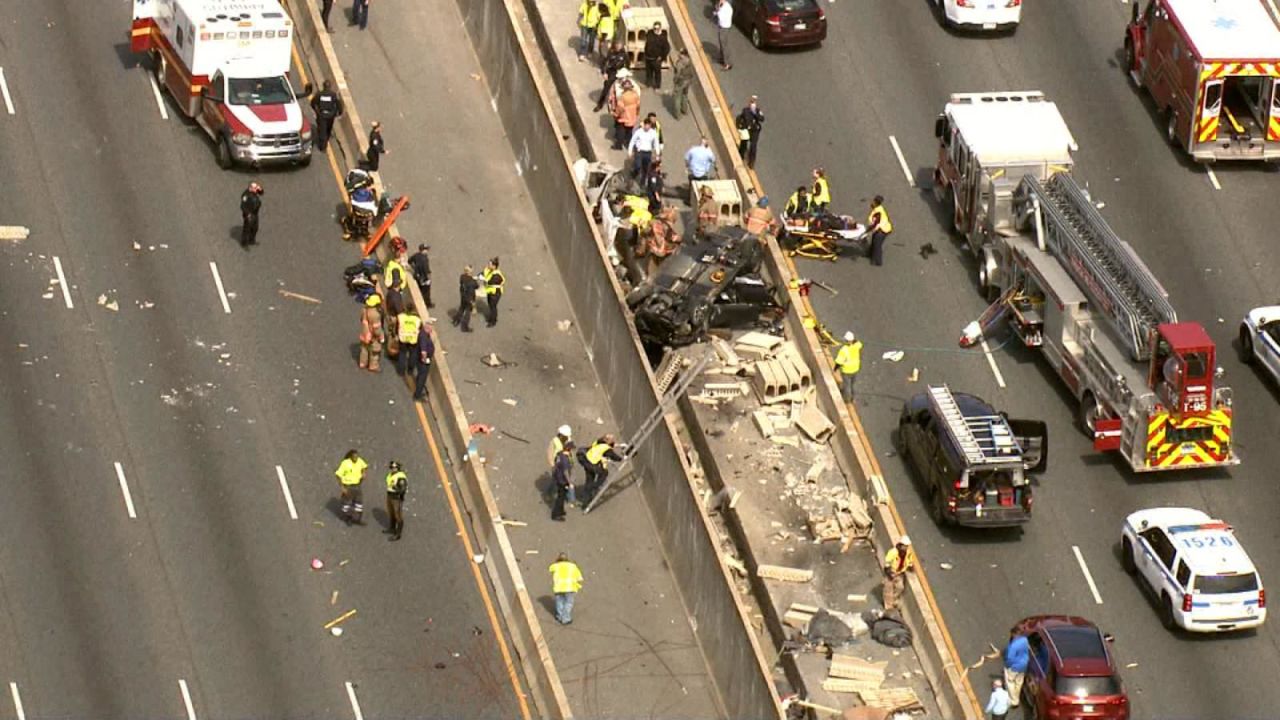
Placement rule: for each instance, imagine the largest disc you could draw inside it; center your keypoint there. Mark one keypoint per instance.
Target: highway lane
(211, 582)
(887, 70)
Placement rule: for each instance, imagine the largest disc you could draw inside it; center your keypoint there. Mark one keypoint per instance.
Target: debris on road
(340, 619)
(297, 296)
(894, 356)
(785, 574)
(317, 564)
(15, 233)
(510, 402)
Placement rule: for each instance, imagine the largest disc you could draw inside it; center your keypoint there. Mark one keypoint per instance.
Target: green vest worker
(849, 362)
(350, 474)
(799, 202)
(408, 327)
(821, 189)
(595, 460)
(494, 282)
(566, 581)
(879, 225)
(397, 485)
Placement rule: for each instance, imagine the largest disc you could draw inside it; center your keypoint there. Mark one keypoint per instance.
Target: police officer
(614, 60)
(350, 474)
(397, 485)
(467, 287)
(250, 206)
(595, 460)
(750, 120)
(879, 226)
(420, 264)
(426, 352)
(408, 328)
(821, 189)
(328, 107)
(377, 148)
(494, 282)
(562, 478)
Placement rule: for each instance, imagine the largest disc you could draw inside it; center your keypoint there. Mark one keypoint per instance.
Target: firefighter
(595, 461)
(467, 287)
(799, 202)
(878, 226)
(250, 206)
(327, 106)
(760, 218)
(395, 279)
(350, 474)
(848, 363)
(897, 563)
(408, 328)
(562, 479)
(494, 283)
(708, 213)
(397, 485)
(821, 189)
(661, 239)
(372, 335)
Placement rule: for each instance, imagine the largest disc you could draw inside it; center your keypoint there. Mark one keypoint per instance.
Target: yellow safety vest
(640, 215)
(793, 203)
(589, 12)
(350, 472)
(885, 225)
(554, 449)
(393, 481)
(615, 7)
(604, 28)
(565, 577)
(850, 357)
(410, 326)
(493, 281)
(821, 192)
(595, 454)
(898, 565)
(395, 275)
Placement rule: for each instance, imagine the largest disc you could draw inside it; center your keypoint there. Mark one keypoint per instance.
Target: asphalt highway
(170, 424)
(886, 71)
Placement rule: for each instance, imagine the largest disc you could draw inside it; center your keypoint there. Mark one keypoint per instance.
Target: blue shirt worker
(998, 704)
(1016, 656)
(700, 160)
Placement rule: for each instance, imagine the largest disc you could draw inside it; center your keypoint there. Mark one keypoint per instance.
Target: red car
(1072, 674)
(781, 23)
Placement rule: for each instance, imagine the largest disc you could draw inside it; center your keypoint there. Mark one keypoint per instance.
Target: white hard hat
(565, 430)
(849, 336)
(904, 540)
(624, 73)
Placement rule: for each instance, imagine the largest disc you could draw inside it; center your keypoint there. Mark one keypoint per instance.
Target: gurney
(822, 235)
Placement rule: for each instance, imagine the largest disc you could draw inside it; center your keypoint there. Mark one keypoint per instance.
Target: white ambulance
(1201, 577)
(226, 64)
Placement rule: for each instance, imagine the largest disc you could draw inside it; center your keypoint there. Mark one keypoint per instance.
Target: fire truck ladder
(1106, 268)
(984, 439)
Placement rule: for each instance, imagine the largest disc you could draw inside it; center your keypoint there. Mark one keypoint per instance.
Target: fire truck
(1065, 283)
(226, 64)
(1211, 67)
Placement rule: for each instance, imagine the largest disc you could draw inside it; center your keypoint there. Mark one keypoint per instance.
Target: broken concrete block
(783, 573)
(763, 422)
(725, 352)
(757, 340)
(814, 424)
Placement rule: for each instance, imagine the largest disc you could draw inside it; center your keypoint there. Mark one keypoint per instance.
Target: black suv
(973, 461)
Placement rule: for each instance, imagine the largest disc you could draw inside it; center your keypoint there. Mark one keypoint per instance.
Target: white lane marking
(124, 490)
(288, 497)
(222, 293)
(1088, 576)
(4, 88)
(991, 360)
(155, 90)
(62, 282)
(355, 704)
(186, 700)
(1213, 178)
(17, 701)
(906, 171)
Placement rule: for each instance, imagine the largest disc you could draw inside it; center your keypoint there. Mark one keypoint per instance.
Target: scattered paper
(894, 355)
(946, 566)
(510, 402)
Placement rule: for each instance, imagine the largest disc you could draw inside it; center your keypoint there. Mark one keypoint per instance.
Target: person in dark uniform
(397, 486)
(653, 184)
(562, 477)
(377, 148)
(426, 353)
(656, 49)
(326, 7)
(327, 107)
(250, 206)
(467, 287)
(750, 125)
(494, 283)
(420, 264)
(614, 61)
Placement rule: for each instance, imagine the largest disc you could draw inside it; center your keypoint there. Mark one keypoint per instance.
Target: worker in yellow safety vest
(848, 363)
(897, 563)
(397, 486)
(878, 226)
(799, 203)
(350, 474)
(566, 581)
(395, 280)
(408, 326)
(494, 283)
(821, 189)
(588, 21)
(564, 434)
(595, 460)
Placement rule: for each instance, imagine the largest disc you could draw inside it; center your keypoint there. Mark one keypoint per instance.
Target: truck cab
(255, 120)
(974, 463)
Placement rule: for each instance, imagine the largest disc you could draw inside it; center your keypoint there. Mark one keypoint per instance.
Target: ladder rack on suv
(983, 439)
(1109, 272)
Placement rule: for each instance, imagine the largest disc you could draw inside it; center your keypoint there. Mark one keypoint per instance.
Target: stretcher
(822, 235)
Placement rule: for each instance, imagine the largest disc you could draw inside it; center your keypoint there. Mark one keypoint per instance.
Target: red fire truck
(1211, 67)
(226, 63)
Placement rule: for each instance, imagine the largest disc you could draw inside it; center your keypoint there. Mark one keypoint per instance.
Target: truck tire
(937, 508)
(1127, 560)
(1087, 414)
(990, 291)
(1131, 62)
(1166, 613)
(1246, 345)
(224, 154)
(161, 67)
(1171, 127)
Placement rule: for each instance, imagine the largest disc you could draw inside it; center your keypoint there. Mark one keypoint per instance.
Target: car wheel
(1127, 559)
(756, 38)
(224, 154)
(937, 507)
(1246, 345)
(1171, 127)
(1088, 415)
(1166, 613)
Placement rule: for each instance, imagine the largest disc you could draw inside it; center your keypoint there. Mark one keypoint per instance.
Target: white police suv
(1201, 577)
(1260, 339)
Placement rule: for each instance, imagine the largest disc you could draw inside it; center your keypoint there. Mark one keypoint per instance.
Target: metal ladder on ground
(674, 392)
(1106, 268)
(984, 439)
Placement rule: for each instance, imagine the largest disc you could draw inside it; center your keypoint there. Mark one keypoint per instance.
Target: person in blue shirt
(700, 160)
(1016, 656)
(998, 705)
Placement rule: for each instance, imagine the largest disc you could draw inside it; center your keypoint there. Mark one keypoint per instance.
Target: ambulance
(1211, 66)
(226, 65)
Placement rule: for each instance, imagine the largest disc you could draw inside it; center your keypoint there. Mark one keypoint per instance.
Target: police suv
(1200, 575)
(1260, 339)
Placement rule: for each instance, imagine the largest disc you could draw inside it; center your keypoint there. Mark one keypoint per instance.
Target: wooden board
(786, 574)
(891, 699)
(855, 668)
